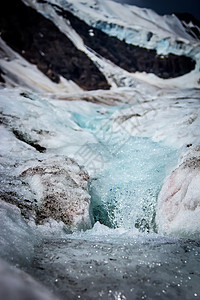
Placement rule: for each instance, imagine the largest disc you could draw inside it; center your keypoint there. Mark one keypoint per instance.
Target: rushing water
(125, 193)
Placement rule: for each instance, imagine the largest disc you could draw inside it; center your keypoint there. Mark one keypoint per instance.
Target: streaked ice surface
(105, 263)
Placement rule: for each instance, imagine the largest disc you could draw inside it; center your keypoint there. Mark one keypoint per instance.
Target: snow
(17, 238)
(178, 201)
(157, 122)
(149, 128)
(16, 284)
(38, 181)
(138, 148)
(47, 132)
(176, 115)
(133, 25)
(103, 263)
(125, 22)
(19, 72)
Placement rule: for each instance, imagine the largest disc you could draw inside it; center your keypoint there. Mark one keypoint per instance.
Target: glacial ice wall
(42, 184)
(137, 26)
(179, 200)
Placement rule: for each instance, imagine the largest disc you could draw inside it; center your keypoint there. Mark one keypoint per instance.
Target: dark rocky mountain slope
(39, 41)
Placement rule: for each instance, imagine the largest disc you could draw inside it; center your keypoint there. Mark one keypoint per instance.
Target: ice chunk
(16, 236)
(16, 284)
(179, 201)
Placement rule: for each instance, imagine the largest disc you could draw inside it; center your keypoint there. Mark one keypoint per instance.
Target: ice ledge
(179, 201)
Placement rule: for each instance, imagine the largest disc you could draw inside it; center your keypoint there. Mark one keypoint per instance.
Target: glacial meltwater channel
(122, 256)
(125, 193)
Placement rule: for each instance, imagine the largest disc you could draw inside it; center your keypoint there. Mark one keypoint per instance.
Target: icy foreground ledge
(17, 237)
(179, 200)
(16, 284)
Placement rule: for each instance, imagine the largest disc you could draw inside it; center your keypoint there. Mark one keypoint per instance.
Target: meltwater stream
(122, 256)
(124, 193)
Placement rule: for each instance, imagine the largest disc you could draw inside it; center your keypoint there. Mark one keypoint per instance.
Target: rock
(41, 43)
(179, 202)
(60, 189)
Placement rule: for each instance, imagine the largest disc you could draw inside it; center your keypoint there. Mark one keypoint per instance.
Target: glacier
(93, 183)
(99, 195)
(14, 66)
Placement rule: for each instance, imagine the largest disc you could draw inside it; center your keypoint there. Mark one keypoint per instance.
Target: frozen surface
(93, 265)
(127, 148)
(17, 238)
(18, 285)
(133, 25)
(178, 204)
(127, 140)
(126, 21)
(44, 185)
(41, 138)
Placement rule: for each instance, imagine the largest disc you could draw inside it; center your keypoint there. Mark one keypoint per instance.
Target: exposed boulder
(60, 189)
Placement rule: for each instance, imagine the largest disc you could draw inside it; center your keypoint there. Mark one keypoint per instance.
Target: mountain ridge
(71, 51)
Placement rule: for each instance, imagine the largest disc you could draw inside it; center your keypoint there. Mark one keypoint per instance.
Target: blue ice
(125, 193)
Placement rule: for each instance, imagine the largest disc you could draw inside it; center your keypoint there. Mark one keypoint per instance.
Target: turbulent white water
(125, 194)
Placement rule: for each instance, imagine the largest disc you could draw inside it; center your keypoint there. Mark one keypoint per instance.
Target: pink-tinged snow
(179, 200)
